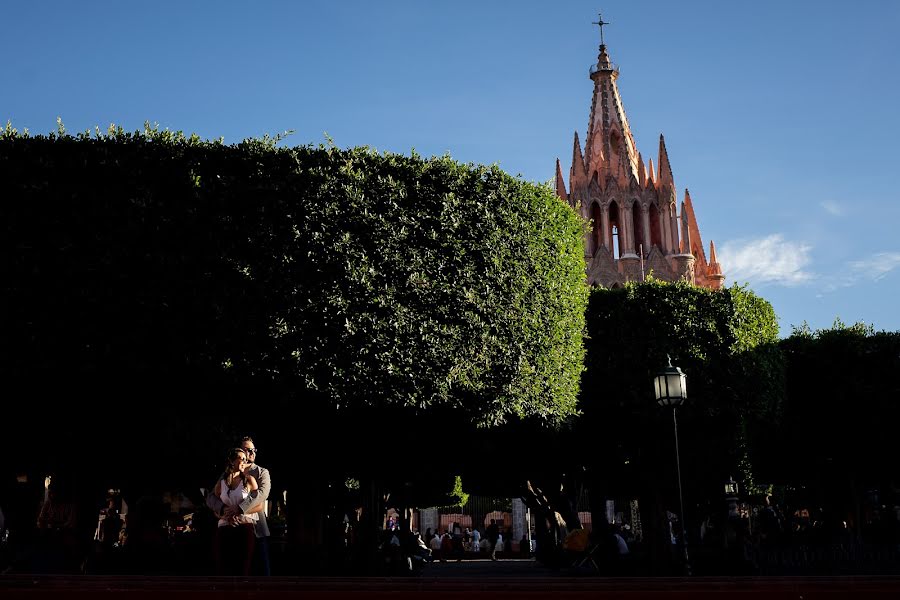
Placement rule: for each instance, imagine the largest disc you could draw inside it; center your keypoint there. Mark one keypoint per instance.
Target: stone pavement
(477, 568)
(470, 579)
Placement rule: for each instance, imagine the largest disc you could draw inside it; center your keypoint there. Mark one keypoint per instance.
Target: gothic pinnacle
(577, 154)
(665, 170)
(716, 277)
(560, 183)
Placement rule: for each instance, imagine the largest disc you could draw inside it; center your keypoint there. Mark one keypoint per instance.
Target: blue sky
(780, 117)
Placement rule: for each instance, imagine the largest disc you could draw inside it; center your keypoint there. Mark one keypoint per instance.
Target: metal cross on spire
(600, 23)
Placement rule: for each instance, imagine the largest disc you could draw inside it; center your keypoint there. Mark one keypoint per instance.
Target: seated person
(576, 540)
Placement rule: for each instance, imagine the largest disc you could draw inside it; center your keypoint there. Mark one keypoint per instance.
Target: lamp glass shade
(670, 387)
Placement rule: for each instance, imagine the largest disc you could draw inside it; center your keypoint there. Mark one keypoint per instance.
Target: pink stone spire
(608, 168)
(713, 261)
(560, 183)
(577, 155)
(714, 272)
(665, 170)
(696, 240)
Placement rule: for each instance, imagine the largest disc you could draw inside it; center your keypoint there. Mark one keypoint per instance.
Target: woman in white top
(235, 536)
(476, 540)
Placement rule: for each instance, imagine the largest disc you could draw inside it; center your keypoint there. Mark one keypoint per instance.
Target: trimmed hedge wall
(726, 341)
(369, 280)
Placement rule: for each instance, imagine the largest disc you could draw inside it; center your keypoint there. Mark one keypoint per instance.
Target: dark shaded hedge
(359, 279)
(725, 341)
(839, 430)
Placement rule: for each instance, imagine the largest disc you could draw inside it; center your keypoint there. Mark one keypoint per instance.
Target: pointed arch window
(655, 231)
(637, 226)
(596, 228)
(615, 229)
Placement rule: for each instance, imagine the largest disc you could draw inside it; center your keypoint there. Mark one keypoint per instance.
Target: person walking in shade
(492, 533)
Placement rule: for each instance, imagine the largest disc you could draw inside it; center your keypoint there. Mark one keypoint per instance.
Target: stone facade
(635, 228)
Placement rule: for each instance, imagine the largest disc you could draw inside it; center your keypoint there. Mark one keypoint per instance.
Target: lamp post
(670, 386)
(731, 497)
(733, 511)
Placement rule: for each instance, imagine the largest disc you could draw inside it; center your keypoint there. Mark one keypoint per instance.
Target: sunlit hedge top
(725, 340)
(375, 279)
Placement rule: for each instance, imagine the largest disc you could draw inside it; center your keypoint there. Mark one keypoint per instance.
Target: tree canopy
(156, 270)
(841, 408)
(725, 341)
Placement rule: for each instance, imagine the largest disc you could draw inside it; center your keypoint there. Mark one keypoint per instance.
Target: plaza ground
(470, 579)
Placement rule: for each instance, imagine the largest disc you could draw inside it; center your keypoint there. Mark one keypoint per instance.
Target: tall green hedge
(365, 279)
(726, 343)
(842, 410)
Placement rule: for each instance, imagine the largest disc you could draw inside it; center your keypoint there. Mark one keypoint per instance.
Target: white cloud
(768, 260)
(876, 266)
(833, 208)
(872, 270)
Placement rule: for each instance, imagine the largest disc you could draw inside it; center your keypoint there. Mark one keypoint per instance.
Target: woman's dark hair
(233, 454)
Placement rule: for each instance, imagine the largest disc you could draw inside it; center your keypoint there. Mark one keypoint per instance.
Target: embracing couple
(238, 500)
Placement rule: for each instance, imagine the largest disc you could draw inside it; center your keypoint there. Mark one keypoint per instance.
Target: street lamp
(731, 497)
(730, 487)
(671, 391)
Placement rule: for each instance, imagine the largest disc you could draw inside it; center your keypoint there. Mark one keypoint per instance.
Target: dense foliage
(725, 341)
(841, 412)
(152, 269)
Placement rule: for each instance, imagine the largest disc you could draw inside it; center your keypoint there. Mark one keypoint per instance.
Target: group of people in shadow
(223, 530)
(227, 530)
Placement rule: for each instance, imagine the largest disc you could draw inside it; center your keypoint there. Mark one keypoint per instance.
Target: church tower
(637, 225)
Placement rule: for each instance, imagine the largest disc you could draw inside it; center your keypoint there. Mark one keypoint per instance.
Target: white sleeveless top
(234, 497)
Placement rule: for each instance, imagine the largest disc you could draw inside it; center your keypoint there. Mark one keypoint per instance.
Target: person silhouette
(492, 533)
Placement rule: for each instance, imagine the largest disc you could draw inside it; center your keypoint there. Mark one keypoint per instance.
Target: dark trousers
(261, 565)
(234, 549)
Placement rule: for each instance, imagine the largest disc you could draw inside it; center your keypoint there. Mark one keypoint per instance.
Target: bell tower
(636, 225)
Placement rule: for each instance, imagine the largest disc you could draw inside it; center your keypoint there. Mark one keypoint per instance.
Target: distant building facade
(635, 227)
